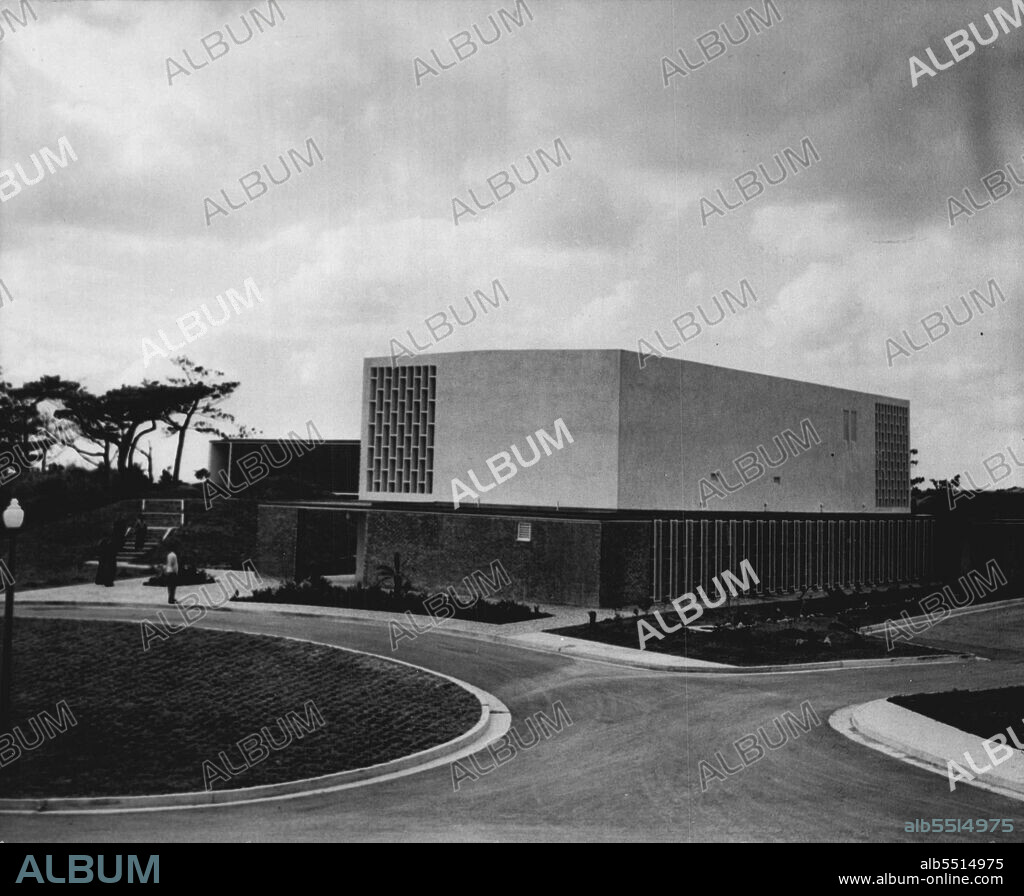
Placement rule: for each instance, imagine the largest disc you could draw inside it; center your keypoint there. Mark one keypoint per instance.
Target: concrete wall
(651, 429)
(560, 565)
(643, 439)
(218, 462)
(488, 401)
(680, 421)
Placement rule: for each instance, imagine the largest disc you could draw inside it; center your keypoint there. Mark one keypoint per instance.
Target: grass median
(146, 721)
(984, 713)
(806, 640)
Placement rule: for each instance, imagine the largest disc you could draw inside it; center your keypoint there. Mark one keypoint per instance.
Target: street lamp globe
(14, 515)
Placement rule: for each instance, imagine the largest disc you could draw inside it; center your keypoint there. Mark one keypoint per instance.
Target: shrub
(187, 575)
(223, 536)
(62, 491)
(318, 592)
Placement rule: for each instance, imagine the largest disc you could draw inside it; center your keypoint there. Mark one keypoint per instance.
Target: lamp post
(13, 518)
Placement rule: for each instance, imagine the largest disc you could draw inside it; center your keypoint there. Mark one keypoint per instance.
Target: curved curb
(495, 720)
(879, 627)
(846, 722)
(580, 649)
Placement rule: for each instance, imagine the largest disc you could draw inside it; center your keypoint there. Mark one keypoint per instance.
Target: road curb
(880, 627)
(854, 722)
(495, 720)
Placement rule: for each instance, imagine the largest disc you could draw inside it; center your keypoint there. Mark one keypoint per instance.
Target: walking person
(171, 572)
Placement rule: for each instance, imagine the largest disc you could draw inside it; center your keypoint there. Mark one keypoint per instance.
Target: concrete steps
(154, 536)
(162, 516)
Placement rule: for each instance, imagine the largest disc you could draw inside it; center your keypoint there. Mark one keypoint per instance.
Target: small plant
(400, 583)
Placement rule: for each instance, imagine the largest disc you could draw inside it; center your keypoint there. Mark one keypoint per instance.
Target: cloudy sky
(600, 252)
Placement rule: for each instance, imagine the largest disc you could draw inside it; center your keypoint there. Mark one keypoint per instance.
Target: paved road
(627, 769)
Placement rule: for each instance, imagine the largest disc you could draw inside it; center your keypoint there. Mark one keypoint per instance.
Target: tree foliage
(205, 390)
(50, 414)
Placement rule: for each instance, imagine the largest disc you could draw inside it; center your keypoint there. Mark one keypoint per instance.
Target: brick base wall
(276, 537)
(561, 564)
(585, 563)
(326, 543)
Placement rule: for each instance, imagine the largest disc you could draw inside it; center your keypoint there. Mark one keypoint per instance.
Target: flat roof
(281, 439)
(514, 511)
(425, 359)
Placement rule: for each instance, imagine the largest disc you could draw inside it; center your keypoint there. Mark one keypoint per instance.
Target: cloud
(600, 252)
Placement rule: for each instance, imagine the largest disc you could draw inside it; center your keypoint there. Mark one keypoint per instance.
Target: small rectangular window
(524, 531)
(853, 426)
(776, 479)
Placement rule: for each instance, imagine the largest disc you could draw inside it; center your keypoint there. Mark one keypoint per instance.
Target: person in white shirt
(171, 572)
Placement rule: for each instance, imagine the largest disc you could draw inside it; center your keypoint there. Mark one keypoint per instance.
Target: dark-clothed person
(141, 530)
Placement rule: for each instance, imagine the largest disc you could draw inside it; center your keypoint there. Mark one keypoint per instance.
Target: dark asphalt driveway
(627, 769)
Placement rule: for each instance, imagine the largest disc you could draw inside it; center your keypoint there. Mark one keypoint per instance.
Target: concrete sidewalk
(530, 635)
(132, 592)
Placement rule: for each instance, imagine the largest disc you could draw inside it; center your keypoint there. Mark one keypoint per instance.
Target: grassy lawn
(767, 643)
(146, 721)
(984, 713)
